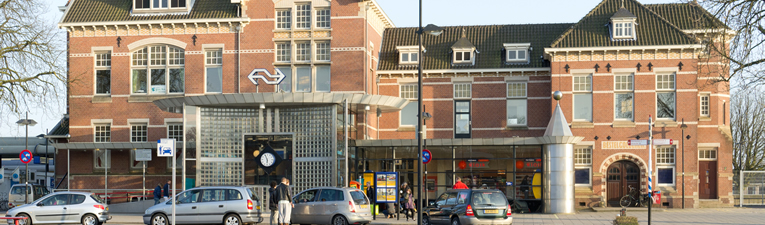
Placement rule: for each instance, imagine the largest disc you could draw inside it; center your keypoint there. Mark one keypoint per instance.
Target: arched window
(157, 69)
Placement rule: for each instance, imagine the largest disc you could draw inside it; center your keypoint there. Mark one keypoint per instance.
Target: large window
(283, 19)
(462, 119)
(323, 79)
(303, 52)
(408, 115)
(303, 79)
(303, 16)
(102, 159)
(103, 72)
(623, 96)
(665, 96)
(516, 104)
(214, 70)
(583, 166)
(283, 52)
(704, 105)
(322, 51)
(175, 130)
(665, 165)
(322, 18)
(102, 132)
(158, 70)
(583, 97)
(286, 84)
(138, 132)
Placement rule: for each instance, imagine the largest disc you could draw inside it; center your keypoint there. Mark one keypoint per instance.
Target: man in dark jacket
(157, 193)
(273, 202)
(166, 193)
(284, 197)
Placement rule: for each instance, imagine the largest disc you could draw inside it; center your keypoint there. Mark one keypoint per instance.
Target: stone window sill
(101, 99)
(517, 128)
(665, 123)
(150, 98)
(624, 124)
(705, 118)
(582, 124)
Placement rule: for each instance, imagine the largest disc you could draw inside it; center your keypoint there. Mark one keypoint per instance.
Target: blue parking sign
(165, 147)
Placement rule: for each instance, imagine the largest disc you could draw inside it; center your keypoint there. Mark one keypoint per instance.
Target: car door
(435, 212)
(329, 203)
(51, 209)
(75, 208)
(450, 207)
(304, 208)
(212, 207)
(186, 208)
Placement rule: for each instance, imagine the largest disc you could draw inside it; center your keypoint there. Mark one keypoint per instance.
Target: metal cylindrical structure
(558, 178)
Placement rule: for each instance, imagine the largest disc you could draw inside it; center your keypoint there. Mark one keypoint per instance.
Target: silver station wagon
(208, 205)
(329, 205)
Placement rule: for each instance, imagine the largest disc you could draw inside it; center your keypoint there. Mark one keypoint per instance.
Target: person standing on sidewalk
(166, 193)
(272, 202)
(157, 193)
(284, 201)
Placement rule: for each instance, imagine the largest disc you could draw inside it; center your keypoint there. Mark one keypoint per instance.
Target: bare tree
(31, 71)
(748, 129)
(740, 23)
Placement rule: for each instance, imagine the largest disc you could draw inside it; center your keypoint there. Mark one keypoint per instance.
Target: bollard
(623, 212)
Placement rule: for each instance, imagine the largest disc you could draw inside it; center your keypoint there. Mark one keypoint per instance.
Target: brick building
(206, 72)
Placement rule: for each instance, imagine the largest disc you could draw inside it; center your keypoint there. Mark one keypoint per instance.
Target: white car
(63, 207)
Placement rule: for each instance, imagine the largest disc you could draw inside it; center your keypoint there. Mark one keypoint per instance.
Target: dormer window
(463, 56)
(463, 51)
(408, 54)
(159, 5)
(623, 25)
(517, 52)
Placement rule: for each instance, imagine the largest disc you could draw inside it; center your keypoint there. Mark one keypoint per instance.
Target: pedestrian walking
(459, 184)
(273, 202)
(409, 205)
(284, 203)
(166, 193)
(157, 193)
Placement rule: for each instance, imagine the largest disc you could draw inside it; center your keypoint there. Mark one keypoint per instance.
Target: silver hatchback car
(208, 205)
(329, 205)
(63, 207)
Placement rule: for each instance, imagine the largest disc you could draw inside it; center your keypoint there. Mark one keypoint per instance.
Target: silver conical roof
(558, 125)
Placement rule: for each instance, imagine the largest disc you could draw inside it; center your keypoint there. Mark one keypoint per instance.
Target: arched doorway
(620, 175)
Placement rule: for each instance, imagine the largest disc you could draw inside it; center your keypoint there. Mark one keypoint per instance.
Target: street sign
(165, 147)
(25, 156)
(662, 141)
(143, 155)
(426, 156)
(637, 142)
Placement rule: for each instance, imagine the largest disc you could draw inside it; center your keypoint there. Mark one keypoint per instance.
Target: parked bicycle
(634, 196)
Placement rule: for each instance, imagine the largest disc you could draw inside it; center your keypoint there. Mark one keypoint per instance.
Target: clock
(267, 159)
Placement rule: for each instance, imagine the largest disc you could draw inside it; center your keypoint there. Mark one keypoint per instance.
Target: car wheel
(159, 219)
(455, 221)
(27, 221)
(339, 220)
(89, 219)
(232, 219)
(425, 220)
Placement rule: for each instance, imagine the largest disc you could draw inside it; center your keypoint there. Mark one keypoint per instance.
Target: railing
(120, 195)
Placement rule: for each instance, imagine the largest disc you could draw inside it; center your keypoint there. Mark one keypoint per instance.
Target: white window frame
(666, 85)
(322, 51)
(462, 53)
(213, 60)
(577, 89)
(704, 104)
(173, 58)
(159, 8)
(660, 164)
(107, 131)
(102, 62)
(323, 17)
(283, 52)
(513, 95)
(517, 47)
(303, 51)
(703, 151)
(620, 27)
(463, 90)
(99, 153)
(409, 94)
(408, 51)
(139, 139)
(583, 165)
(623, 87)
(283, 19)
(303, 11)
(170, 131)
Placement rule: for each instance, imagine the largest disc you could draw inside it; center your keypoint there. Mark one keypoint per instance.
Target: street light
(435, 31)
(26, 122)
(682, 136)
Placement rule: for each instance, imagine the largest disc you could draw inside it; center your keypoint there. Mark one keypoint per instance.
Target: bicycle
(641, 200)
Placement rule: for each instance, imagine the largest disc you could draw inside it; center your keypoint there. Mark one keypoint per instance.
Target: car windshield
(488, 198)
(359, 198)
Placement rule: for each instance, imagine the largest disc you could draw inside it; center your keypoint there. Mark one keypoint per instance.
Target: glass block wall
(221, 151)
(314, 140)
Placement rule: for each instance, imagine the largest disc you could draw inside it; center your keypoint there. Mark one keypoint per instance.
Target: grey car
(63, 207)
(329, 205)
(208, 205)
(469, 206)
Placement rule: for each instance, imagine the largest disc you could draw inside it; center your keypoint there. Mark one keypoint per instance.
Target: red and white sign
(637, 142)
(25, 156)
(662, 141)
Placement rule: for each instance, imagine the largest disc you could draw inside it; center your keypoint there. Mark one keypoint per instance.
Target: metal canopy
(356, 101)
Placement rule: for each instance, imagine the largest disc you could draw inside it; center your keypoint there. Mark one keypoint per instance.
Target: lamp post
(682, 136)
(42, 136)
(26, 122)
(432, 30)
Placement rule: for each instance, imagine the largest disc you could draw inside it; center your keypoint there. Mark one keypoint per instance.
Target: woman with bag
(409, 205)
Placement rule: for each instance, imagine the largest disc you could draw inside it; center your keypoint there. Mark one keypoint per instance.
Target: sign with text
(662, 141)
(619, 145)
(142, 155)
(166, 147)
(637, 142)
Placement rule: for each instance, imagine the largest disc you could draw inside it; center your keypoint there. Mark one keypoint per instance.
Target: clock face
(267, 159)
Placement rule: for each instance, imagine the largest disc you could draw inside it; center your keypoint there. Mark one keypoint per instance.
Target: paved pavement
(741, 216)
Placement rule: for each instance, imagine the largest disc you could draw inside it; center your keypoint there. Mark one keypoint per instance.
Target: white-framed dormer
(517, 52)
(408, 54)
(161, 6)
(463, 56)
(622, 26)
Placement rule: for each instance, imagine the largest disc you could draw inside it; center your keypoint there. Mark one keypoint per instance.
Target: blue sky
(404, 13)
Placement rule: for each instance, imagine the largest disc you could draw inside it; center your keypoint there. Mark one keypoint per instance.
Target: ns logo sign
(266, 76)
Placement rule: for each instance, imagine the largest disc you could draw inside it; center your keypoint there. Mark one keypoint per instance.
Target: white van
(17, 194)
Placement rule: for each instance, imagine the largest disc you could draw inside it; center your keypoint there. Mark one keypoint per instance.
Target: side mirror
(39, 204)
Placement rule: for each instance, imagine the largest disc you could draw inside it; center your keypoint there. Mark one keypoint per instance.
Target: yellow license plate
(107, 208)
(491, 211)
(364, 206)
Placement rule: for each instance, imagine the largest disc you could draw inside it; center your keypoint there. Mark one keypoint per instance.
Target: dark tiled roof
(463, 43)
(82, 11)
(623, 13)
(687, 16)
(651, 29)
(487, 39)
(62, 128)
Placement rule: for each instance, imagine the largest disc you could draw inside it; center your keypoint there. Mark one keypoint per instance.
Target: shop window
(286, 84)
(704, 104)
(102, 133)
(303, 16)
(408, 115)
(214, 70)
(102, 159)
(516, 104)
(158, 70)
(462, 90)
(303, 79)
(322, 18)
(323, 79)
(583, 166)
(623, 96)
(283, 19)
(138, 132)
